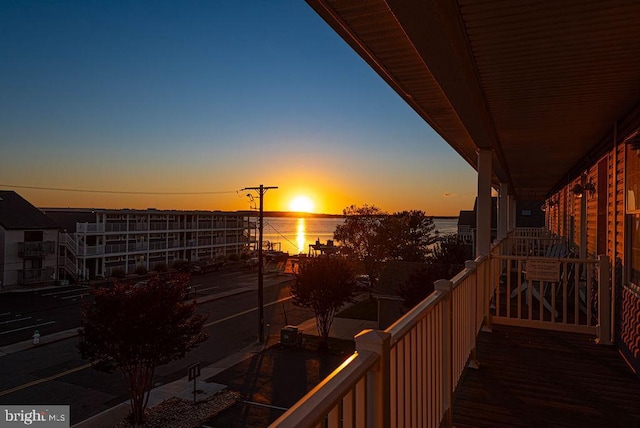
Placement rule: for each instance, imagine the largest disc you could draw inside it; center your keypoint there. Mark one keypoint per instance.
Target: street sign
(194, 371)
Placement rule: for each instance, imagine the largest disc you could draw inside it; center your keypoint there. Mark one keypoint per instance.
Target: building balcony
(90, 227)
(35, 276)
(474, 353)
(36, 249)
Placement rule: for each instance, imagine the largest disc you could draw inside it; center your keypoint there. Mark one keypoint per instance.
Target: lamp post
(261, 191)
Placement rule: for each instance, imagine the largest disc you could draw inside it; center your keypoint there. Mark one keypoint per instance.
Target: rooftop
(16, 213)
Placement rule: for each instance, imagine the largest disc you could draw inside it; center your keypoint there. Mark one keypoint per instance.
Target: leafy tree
(323, 284)
(134, 329)
(420, 284)
(373, 237)
(452, 253)
(407, 235)
(446, 260)
(360, 239)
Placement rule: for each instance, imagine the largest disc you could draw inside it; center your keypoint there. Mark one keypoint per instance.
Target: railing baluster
(347, 410)
(445, 286)
(333, 419)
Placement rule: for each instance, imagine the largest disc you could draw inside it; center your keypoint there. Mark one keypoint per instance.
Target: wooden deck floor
(538, 378)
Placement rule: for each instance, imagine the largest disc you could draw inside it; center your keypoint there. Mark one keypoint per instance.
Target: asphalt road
(59, 308)
(55, 373)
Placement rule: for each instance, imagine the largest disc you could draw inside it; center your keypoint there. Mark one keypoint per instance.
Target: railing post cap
(443, 285)
(372, 340)
(372, 336)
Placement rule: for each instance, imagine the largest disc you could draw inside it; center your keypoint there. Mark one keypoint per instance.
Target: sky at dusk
(184, 103)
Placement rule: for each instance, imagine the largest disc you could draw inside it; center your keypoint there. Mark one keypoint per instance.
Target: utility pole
(261, 191)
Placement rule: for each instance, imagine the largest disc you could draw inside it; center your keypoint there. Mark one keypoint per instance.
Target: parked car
(252, 262)
(363, 282)
(206, 265)
(189, 292)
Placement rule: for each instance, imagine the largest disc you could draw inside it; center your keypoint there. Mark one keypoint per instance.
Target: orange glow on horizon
(318, 196)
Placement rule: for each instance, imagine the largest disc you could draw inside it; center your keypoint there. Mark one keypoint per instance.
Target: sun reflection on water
(301, 229)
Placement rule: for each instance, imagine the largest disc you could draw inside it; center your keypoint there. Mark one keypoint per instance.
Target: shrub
(234, 257)
(160, 267)
(140, 270)
(118, 273)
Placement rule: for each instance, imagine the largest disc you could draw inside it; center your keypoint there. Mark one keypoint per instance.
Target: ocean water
(294, 235)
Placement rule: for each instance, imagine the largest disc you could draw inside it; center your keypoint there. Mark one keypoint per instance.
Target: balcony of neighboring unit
(89, 227)
(36, 248)
(35, 276)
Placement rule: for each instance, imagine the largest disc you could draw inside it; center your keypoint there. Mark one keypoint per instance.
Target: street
(55, 373)
(57, 309)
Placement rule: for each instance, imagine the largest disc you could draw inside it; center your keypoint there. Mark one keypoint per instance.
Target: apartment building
(96, 242)
(28, 243)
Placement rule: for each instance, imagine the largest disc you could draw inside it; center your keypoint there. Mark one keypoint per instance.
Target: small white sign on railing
(543, 270)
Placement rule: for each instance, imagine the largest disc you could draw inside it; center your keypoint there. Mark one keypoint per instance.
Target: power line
(120, 192)
(278, 232)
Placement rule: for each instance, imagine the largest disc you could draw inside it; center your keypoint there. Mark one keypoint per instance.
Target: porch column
(512, 212)
(503, 210)
(483, 215)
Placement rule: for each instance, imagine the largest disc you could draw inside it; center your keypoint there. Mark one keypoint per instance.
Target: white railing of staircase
(72, 269)
(405, 375)
(70, 243)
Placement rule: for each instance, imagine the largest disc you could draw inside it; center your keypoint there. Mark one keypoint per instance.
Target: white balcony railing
(90, 227)
(539, 282)
(405, 375)
(34, 276)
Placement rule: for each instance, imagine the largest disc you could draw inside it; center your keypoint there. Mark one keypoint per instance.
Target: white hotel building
(95, 242)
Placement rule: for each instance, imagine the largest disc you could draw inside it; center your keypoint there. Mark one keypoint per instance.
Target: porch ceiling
(539, 82)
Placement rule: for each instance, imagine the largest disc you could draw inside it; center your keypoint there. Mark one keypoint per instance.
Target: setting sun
(301, 204)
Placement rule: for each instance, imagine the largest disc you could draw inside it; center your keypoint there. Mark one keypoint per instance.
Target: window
(33, 235)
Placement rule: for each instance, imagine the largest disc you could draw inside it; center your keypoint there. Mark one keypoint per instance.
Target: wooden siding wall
(563, 214)
(592, 211)
(626, 311)
(574, 213)
(616, 215)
